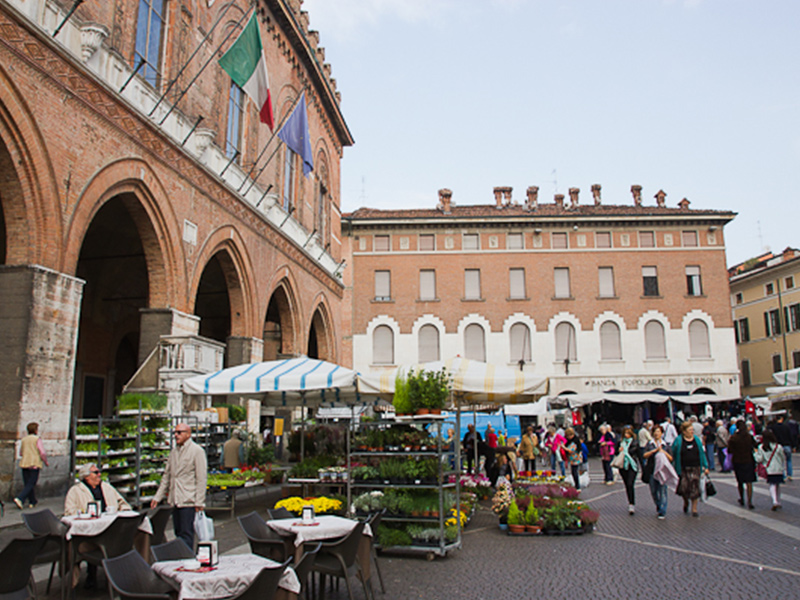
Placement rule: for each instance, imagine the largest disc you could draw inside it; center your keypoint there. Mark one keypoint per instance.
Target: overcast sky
(700, 98)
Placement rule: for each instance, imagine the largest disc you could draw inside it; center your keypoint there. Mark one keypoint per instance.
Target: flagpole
(186, 64)
(213, 54)
(72, 10)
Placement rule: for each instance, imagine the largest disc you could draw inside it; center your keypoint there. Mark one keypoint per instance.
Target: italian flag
(245, 63)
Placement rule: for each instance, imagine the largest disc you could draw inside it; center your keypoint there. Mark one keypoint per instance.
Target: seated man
(90, 488)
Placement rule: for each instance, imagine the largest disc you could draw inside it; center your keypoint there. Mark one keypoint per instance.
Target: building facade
(766, 317)
(151, 227)
(596, 297)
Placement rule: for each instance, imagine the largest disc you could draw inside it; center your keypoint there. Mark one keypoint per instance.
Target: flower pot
(436, 411)
(423, 411)
(503, 526)
(533, 528)
(516, 528)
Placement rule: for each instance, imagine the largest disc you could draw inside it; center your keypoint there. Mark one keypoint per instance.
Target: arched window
(566, 347)
(474, 343)
(699, 346)
(655, 345)
(428, 343)
(520, 338)
(383, 345)
(610, 346)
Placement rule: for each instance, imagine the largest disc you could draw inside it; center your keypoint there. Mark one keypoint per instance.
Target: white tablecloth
(328, 527)
(232, 576)
(90, 527)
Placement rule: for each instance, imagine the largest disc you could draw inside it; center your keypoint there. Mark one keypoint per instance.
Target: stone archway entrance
(319, 345)
(213, 302)
(279, 329)
(113, 263)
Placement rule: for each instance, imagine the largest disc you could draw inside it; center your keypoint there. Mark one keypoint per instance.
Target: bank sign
(719, 384)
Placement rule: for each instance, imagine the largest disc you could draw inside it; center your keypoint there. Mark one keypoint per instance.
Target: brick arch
(146, 199)
(285, 285)
(35, 205)
(237, 267)
(326, 336)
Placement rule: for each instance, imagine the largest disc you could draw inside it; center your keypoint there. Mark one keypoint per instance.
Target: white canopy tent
(530, 409)
(578, 400)
(787, 378)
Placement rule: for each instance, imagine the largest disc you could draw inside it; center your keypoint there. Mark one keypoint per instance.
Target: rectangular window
(791, 317)
(427, 242)
(605, 277)
(472, 284)
(233, 137)
(516, 283)
(777, 363)
(472, 241)
(288, 179)
(788, 283)
(602, 239)
(149, 29)
(739, 298)
(689, 239)
(647, 239)
(383, 286)
(741, 328)
(796, 359)
(381, 243)
(561, 278)
(427, 284)
(514, 241)
(746, 373)
(772, 323)
(694, 286)
(559, 240)
(650, 281)
(769, 289)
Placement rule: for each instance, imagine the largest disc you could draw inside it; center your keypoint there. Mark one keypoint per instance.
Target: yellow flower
(321, 505)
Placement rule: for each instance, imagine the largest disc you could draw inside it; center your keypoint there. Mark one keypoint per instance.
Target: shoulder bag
(761, 468)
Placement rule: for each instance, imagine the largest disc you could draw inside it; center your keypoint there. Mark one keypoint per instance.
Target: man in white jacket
(184, 483)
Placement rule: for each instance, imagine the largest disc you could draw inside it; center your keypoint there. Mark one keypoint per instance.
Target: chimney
(661, 197)
(445, 196)
(596, 193)
(533, 198)
(560, 201)
(498, 197)
(636, 190)
(684, 204)
(507, 195)
(573, 197)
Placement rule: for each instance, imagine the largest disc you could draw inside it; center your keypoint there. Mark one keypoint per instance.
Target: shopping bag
(584, 479)
(711, 489)
(727, 465)
(203, 526)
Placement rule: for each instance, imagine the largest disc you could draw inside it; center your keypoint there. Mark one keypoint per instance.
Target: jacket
(527, 445)
(233, 453)
(676, 453)
(741, 446)
(31, 452)
(627, 446)
(79, 496)
(775, 466)
(185, 478)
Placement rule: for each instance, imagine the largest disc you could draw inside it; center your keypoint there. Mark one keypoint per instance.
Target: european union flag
(295, 134)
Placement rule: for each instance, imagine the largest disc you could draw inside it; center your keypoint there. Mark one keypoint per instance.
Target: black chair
(174, 550)
(45, 523)
(303, 568)
(374, 521)
(158, 519)
(129, 576)
(280, 513)
(337, 559)
(263, 540)
(114, 541)
(16, 559)
(265, 585)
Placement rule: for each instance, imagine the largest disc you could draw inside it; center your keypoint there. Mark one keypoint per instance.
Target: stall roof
(658, 397)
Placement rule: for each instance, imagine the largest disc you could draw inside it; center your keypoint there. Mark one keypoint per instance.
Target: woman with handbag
(627, 450)
(658, 490)
(690, 462)
(572, 449)
(770, 455)
(607, 451)
(741, 446)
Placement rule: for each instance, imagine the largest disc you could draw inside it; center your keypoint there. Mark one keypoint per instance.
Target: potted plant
(532, 518)
(401, 401)
(516, 519)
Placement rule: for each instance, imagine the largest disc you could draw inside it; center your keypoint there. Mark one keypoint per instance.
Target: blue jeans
(183, 523)
(710, 455)
(29, 479)
(787, 451)
(659, 493)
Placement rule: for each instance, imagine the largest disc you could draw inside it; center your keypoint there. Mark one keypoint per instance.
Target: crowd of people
(665, 456)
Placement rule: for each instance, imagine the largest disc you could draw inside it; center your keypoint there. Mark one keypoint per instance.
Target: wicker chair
(17, 559)
(303, 569)
(265, 585)
(280, 513)
(114, 541)
(337, 559)
(263, 540)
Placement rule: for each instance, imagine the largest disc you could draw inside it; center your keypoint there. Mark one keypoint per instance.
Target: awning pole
(475, 441)
(302, 426)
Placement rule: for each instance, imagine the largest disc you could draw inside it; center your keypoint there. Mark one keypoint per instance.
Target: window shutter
(381, 243)
(689, 238)
(514, 241)
(606, 278)
(383, 285)
(603, 239)
(428, 343)
(655, 346)
(610, 346)
(520, 338)
(383, 345)
(699, 346)
(471, 241)
(516, 283)
(647, 239)
(565, 342)
(474, 346)
(427, 285)
(472, 284)
(561, 276)
(427, 242)
(559, 241)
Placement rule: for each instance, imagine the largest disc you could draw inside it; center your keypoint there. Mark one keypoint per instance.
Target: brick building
(766, 316)
(151, 237)
(594, 296)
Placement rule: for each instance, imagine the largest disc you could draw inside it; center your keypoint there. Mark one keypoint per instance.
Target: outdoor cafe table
(88, 527)
(231, 576)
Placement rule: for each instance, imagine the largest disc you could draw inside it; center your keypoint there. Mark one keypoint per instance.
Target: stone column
(155, 322)
(243, 350)
(39, 316)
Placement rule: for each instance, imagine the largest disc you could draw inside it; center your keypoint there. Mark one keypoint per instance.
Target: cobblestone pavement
(727, 553)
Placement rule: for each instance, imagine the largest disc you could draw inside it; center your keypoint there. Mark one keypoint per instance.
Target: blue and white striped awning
(303, 379)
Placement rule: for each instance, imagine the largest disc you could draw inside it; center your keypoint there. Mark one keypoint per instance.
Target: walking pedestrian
(670, 433)
(470, 444)
(741, 446)
(690, 462)
(184, 483)
(721, 442)
(709, 442)
(770, 454)
(557, 456)
(645, 435)
(572, 449)
(607, 445)
(658, 490)
(529, 448)
(491, 436)
(629, 448)
(784, 436)
(32, 458)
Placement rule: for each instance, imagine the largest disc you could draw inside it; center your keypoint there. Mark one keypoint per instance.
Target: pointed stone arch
(281, 320)
(321, 332)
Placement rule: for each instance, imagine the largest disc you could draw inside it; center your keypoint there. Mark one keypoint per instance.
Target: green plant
(429, 389)
(236, 413)
(532, 516)
(402, 401)
(405, 504)
(388, 537)
(135, 401)
(561, 516)
(451, 533)
(515, 515)
(365, 472)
